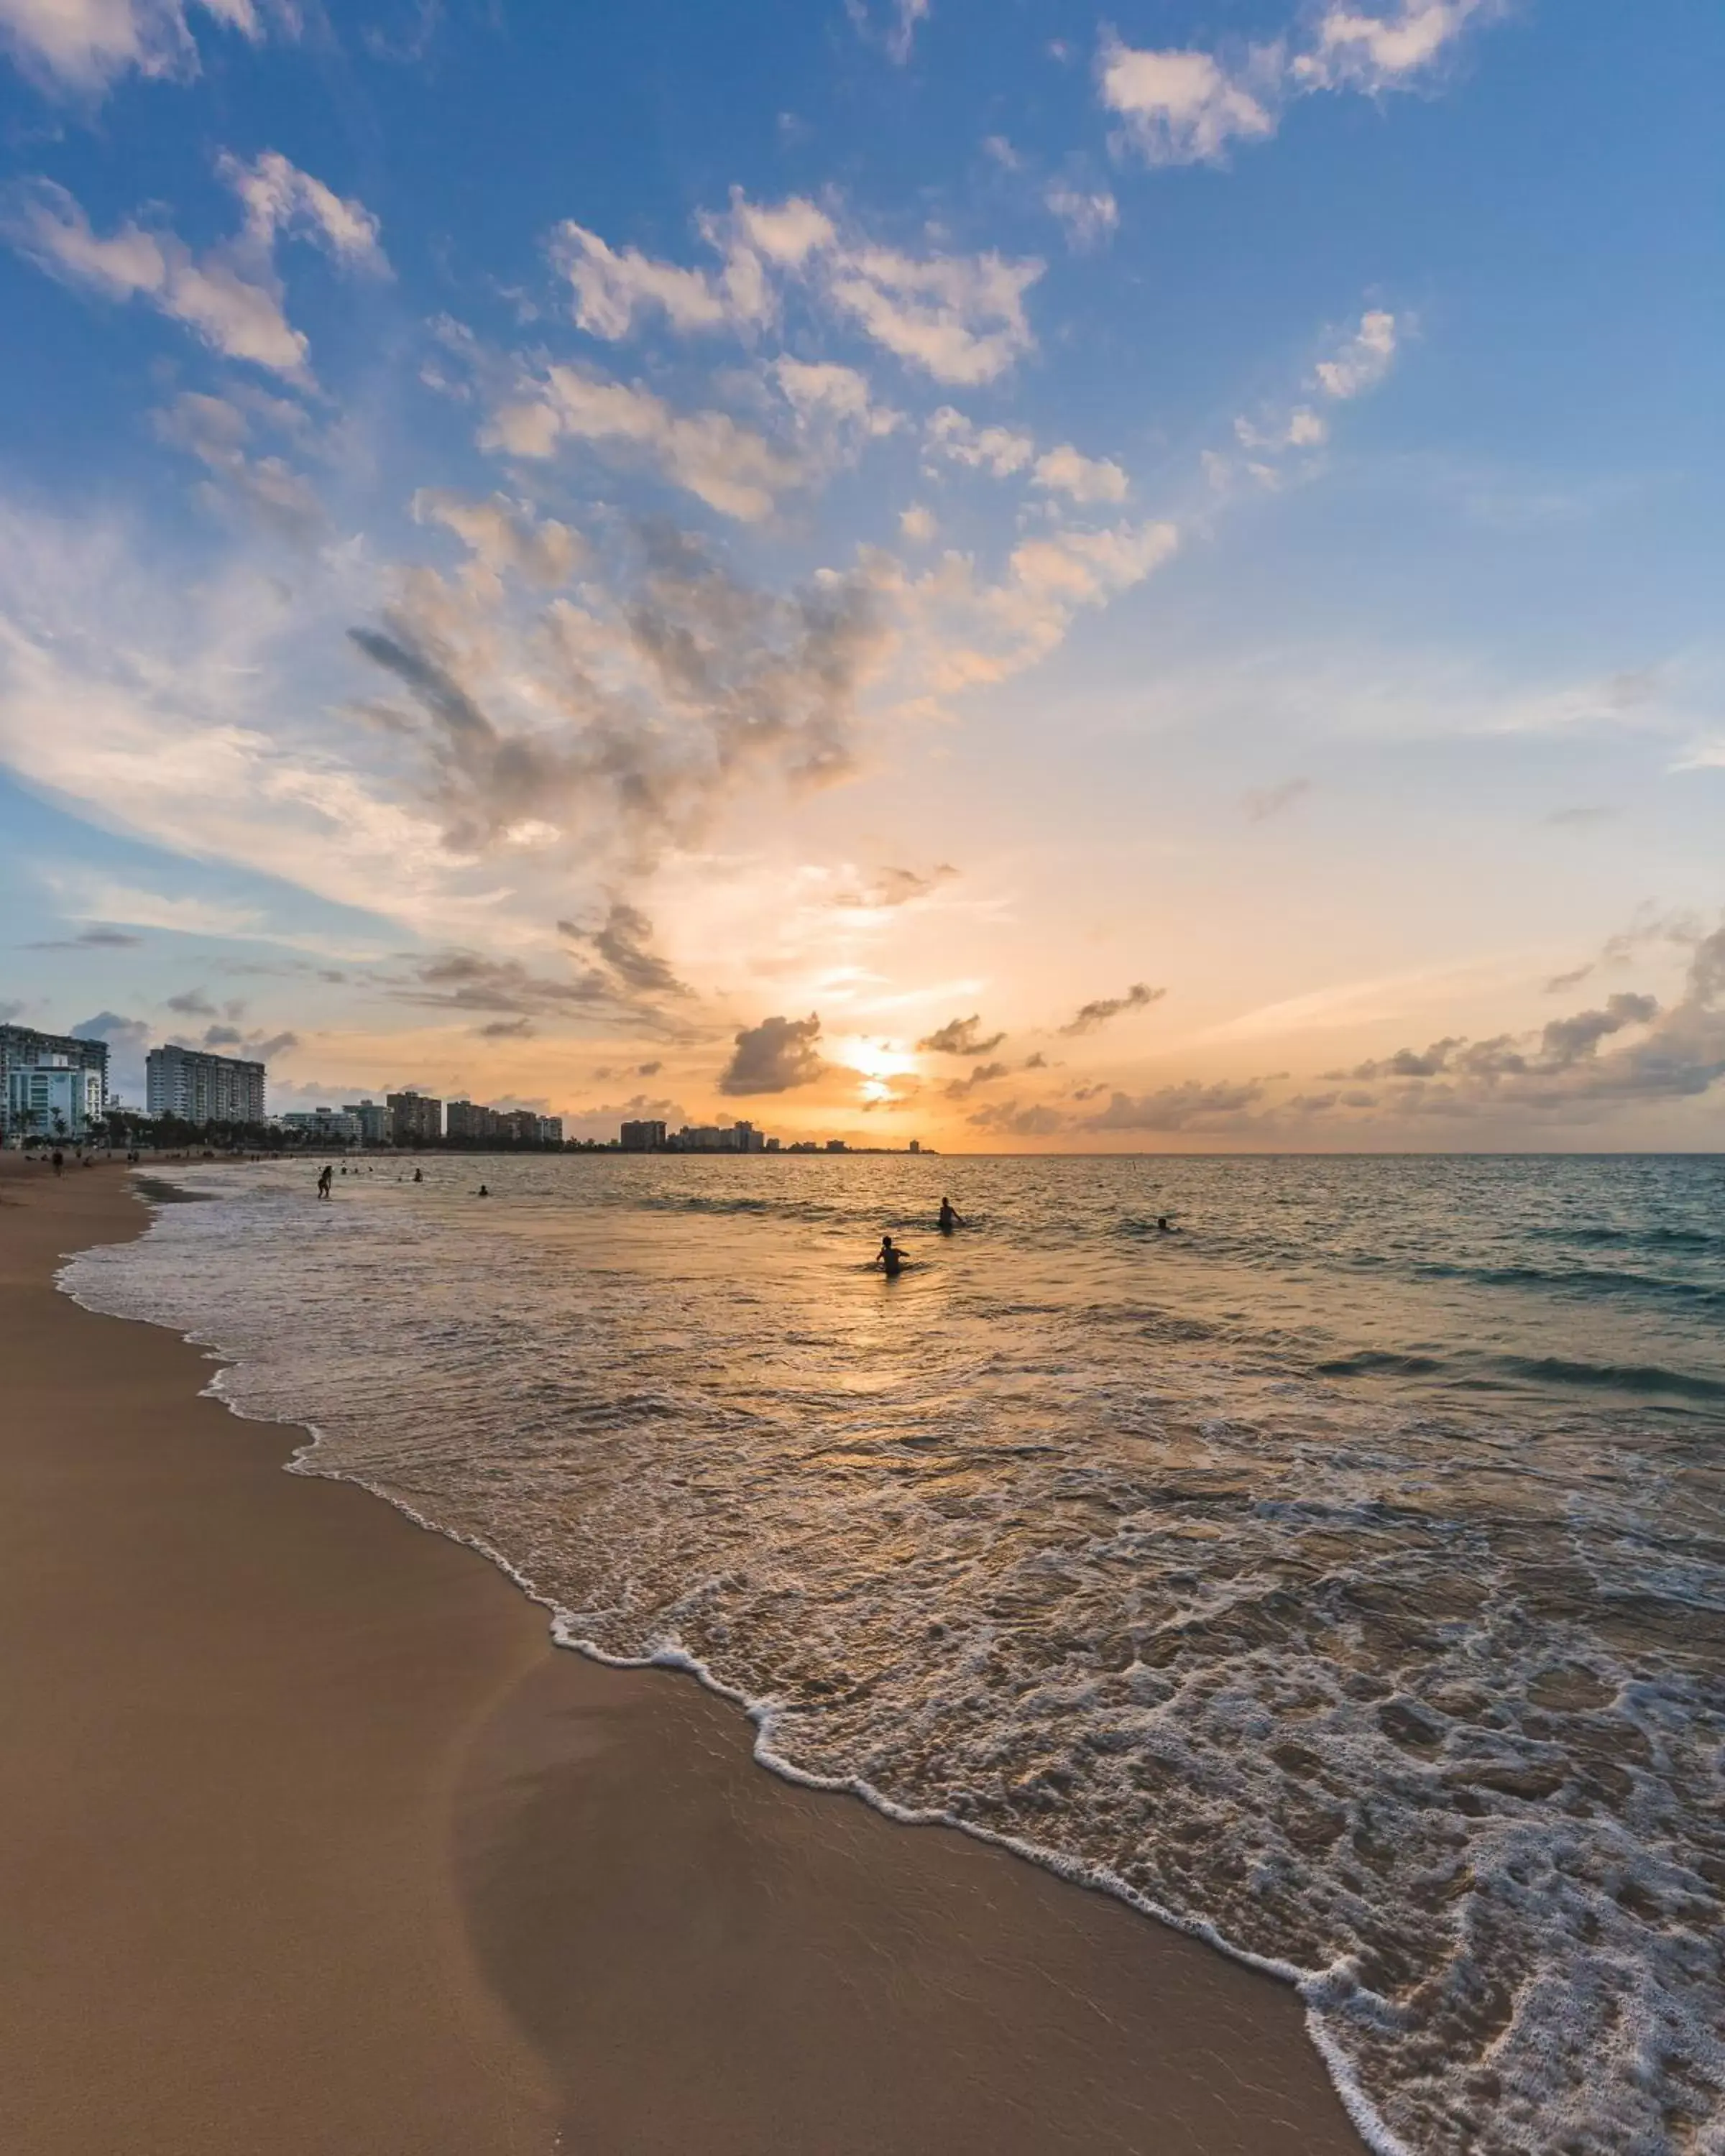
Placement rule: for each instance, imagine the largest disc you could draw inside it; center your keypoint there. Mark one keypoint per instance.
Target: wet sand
(310, 1842)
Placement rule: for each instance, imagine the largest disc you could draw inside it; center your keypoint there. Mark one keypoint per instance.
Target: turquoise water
(1342, 1576)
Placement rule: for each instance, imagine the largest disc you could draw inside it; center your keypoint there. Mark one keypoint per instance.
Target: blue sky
(673, 556)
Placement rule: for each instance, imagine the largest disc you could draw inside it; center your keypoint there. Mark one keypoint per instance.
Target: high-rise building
(465, 1121)
(200, 1088)
(643, 1137)
(550, 1130)
(415, 1118)
(22, 1047)
(372, 1119)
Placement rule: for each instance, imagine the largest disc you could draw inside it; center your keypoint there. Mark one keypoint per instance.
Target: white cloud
(610, 288)
(1363, 358)
(1181, 108)
(217, 431)
(230, 296)
(728, 466)
(1063, 471)
(83, 46)
(897, 38)
(1358, 361)
(1301, 429)
(1353, 49)
(788, 233)
(958, 632)
(1090, 216)
(1187, 107)
(1002, 453)
(959, 318)
(504, 536)
(278, 197)
(917, 525)
(823, 393)
(235, 315)
(997, 450)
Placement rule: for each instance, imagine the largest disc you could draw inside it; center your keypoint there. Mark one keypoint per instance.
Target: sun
(877, 1063)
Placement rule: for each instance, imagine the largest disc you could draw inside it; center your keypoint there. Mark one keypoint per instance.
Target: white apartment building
(324, 1126)
(54, 1099)
(200, 1088)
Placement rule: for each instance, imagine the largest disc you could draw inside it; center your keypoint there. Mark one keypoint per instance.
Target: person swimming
(948, 1219)
(1163, 1227)
(890, 1258)
(482, 1191)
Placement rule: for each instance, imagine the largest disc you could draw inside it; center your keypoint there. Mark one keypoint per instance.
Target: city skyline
(1073, 580)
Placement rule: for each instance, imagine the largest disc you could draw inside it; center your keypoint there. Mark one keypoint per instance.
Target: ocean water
(1342, 1578)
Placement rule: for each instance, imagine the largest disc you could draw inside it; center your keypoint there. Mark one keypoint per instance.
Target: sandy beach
(311, 1842)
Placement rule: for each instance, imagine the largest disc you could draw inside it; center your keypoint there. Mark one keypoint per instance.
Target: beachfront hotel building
(54, 1099)
(372, 1120)
(202, 1088)
(323, 1126)
(694, 1138)
(415, 1118)
(23, 1049)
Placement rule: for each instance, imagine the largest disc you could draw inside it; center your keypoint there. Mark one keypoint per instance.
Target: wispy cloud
(1261, 802)
(1186, 107)
(1090, 216)
(960, 1036)
(726, 465)
(1091, 1015)
(230, 296)
(959, 318)
(82, 47)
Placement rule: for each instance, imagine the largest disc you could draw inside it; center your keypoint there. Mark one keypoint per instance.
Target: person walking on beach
(60, 1162)
(948, 1219)
(325, 1180)
(890, 1258)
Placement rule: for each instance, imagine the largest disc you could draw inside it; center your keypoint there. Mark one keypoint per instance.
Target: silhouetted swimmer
(948, 1219)
(1163, 1227)
(890, 1258)
(418, 1175)
(482, 1191)
(325, 1179)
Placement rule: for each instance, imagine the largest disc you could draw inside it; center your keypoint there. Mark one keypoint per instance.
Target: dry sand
(311, 1843)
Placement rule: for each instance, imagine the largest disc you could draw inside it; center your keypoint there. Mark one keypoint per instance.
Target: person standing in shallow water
(890, 1258)
(325, 1180)
(948, 1219)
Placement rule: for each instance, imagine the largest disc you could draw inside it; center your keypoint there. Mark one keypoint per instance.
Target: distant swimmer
(948, 1219)
(325, 1180)
(890, 1258)
(418, 1175)
(1163, 1227)
(482, 1191)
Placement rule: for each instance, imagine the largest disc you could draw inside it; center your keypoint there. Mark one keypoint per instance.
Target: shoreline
(605, 1918)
